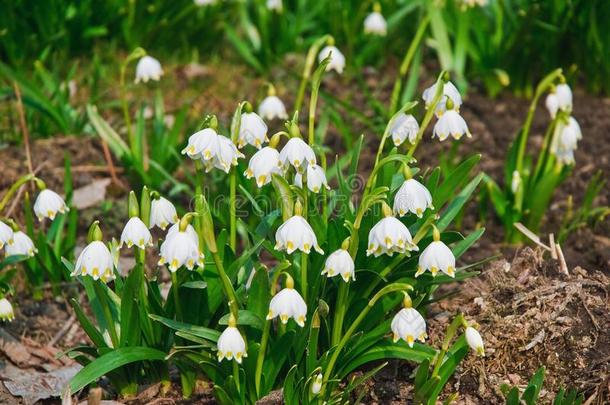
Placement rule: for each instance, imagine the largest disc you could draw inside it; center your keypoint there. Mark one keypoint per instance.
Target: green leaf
(282, 188)
(457, 203)
(105, 131)
(388, 350)
(200, 331)
(195, 284)
(454, 181)
(245, 317)
(91, 331)
(111, 361)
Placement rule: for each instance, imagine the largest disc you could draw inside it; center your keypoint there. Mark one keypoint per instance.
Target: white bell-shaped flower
(316, 384)
(559, 100)
(515, 181)
(22, 245)
(6, 235)
(231, 344)
(202, 145)
(275, 5)
(316, 179)
(340, 262)
(252, 130)
(162, 213)
(404, 127)
(449, 91)
(408, 325)
(136, 233)
(95, 261)
(189, 230)
(452, 124)
(272, 107)
(6, 310)
(298, 154)
(436, 256)
(202, 3)
(337, 60)
(389, 236)
(48, 204)
(475, 341)
(565, 140)
(180, 249)
(296, 234)
(226, 155)
(375, 24)
(263, 164)
(288, 303)
(148, 68)
(412, 197)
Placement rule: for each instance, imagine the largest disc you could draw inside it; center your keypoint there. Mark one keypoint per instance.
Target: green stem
(175, 288)
(406, 63)
(22, 180)
(457, 321)
(232, 210)
(125, 106)
(226, 284)
(312, 53)
(101, 296)
(261, 358)
(340, 309)
(236, 375)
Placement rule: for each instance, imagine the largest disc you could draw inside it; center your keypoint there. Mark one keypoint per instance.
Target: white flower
(96, 261)
(298, 154)
(412, 197)
(204, 2)
(565, 140)
(148, 68)
(252, 130)
(22, 245)
(180, 248)
(162, 213)
(436, 256)
(225, 157)
(316, 385)
(560, 99)
(316, 179)
(450, 123)
(473, 3)
(231, 344)
(515, 181)
(6, 235)
(275, 5)
(6, 310)
(272, 107)
(475, 341)
(295, 234)
(449, 91)
(136, 233)
(374, 23)
(404, 127)
(202, 144)
(339, 262)
(263, 164)
(286, 304)
(190, 231)
(337, 60)
(389, 236)
(48, 204)
(409, 325)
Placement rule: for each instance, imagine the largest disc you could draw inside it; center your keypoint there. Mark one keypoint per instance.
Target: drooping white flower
(450, 123)
(48, 204)
(389, 236)
(298, 154)
(252, 130)
(316, 384)
(231, 344)
(275, 5)
(22, 245)
(515, 181)
(148, 68)
(473, 3)
(449, 91)
(226, 155)
(286, 304)
(404, 127)
(95, 261)
(340, 262)
(408, 325)
(475, 341)
(162, 213)
(565, 140)
(436, 256)
(6, 310)
(296, 234)
(202, 145)
(263, 164)
(316, 179)
(412, 197)
(375, 24)
(201, 3)
(136, 233)
(190, 231)
(337, 60)
(560, 99)
(272, 107)
(179, 249)
(6, 235)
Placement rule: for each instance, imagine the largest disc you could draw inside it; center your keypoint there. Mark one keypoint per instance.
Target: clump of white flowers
(231, 344)
(296, 234)
(559, 99)
(374, 23)
(6, 310)
(337, 60)
(408, 324)
(48, 204)
(436, 256)
(389, 236)
(148, 68)
(287, 304)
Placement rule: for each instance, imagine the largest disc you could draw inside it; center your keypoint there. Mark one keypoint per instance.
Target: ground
(530, 313)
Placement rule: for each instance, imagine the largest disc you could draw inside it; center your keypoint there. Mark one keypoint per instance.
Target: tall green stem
(226, 284)
(102, 297)
(233, 210)
(175, 288)
(261, 357)
(457, 321)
